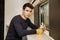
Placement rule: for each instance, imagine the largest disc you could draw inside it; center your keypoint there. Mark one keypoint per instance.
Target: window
(44, 13)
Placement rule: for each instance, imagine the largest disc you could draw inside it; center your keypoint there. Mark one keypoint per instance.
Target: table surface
(38, 37)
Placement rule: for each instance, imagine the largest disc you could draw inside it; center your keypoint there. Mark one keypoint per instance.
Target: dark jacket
(18, 28)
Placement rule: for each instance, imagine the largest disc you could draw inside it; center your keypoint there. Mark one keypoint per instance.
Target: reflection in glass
(44, 14)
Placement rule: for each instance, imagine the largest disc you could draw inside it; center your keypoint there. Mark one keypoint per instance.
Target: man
(19, 24)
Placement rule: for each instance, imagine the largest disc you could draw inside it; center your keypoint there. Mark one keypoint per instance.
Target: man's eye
(27, 10)
(30, 11)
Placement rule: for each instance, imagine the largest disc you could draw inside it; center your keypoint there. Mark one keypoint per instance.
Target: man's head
(27, 10)
(28, 5)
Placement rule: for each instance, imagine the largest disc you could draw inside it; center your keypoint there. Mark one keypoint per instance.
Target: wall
(54, 13)
(12, 8)
(36, 16)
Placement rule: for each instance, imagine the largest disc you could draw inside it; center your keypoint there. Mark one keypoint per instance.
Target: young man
(19, 24)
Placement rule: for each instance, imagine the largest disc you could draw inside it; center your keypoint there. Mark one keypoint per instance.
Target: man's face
(27, 12)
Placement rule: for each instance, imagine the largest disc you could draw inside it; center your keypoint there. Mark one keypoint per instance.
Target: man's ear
(23, 9)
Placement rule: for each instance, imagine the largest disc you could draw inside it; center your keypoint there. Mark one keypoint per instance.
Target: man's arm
(30, 24)
(20, 31)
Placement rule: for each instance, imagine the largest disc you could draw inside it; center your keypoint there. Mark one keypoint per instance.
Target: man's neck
(23, 17)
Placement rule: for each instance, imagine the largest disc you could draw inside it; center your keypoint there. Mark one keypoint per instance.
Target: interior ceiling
(31, 0)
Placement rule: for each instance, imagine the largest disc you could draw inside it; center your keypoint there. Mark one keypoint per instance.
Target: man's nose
(29, 13)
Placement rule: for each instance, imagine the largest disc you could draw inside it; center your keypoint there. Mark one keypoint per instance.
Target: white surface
(39, 37)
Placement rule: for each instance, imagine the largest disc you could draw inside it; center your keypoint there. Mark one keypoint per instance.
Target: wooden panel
(36, 15)
(54, 7)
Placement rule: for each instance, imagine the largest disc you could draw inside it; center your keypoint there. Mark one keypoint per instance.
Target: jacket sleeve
(20, 31)
(30, 24)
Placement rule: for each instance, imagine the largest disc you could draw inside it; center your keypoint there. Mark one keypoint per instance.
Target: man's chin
(27, 17)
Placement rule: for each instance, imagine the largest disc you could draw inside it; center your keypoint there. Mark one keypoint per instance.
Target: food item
(39, 31)
(43, 26)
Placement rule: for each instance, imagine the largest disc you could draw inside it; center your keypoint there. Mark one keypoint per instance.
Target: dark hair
(28, 5)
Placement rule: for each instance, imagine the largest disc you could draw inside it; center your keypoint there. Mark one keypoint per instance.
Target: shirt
(18, 28)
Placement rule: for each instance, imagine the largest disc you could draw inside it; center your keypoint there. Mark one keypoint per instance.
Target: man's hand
(39, 31)
(43, 27)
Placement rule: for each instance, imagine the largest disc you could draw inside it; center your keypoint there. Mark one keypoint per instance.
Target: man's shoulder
(16, 17)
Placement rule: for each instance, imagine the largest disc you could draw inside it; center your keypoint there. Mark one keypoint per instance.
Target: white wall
(12, 8)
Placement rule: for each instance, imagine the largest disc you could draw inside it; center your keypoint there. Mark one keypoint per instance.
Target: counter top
(39, 37)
